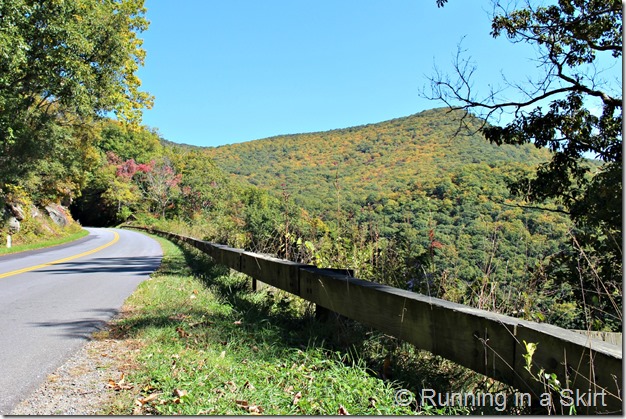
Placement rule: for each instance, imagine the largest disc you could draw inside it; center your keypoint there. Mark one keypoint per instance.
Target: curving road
(52, 300)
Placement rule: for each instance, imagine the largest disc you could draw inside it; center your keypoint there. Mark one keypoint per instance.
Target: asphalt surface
(48, 313)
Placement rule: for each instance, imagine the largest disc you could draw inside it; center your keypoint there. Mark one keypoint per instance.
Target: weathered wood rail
(614, 338)
(489, 343)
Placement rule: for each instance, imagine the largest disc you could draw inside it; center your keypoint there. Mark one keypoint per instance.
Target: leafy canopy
(62, 64)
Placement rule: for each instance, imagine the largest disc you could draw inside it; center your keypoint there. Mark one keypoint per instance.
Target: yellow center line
(116, 237)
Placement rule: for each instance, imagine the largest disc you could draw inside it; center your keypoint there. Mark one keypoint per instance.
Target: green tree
(62, 65)
(129, 142)
(579, 41)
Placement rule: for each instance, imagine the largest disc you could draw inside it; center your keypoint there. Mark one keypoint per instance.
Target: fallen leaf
(251, 408)
(119, 385)
(222, 355)
(255, 410)
(180, 393)
(343, 411)
(148, 399)
(181, 332)
(231, 386)
(249, 385)
(297, 398)
(195, 292)
(237, 322)
(206, 412)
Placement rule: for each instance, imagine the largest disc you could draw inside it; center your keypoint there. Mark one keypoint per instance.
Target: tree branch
(579, 87)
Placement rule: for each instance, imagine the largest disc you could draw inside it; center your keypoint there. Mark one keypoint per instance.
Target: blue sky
(238, 70)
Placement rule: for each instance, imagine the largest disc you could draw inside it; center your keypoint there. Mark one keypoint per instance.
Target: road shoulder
(81, 386)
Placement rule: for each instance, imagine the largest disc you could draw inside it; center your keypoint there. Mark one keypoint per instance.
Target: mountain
(367, 163)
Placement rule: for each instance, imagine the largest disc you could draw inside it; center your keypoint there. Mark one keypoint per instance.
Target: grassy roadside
(209, 346)
(43, 244)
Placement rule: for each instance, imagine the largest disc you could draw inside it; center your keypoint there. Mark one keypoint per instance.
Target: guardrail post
(258, 285)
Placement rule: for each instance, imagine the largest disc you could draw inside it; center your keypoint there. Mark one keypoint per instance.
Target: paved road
(47, 313)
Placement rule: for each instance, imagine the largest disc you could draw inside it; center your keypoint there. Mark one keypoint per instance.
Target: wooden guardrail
(614, 338)
(589, 370)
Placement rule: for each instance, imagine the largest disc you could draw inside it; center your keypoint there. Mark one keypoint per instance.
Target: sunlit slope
(365, 164)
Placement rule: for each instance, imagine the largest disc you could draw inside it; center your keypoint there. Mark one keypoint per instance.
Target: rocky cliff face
(28, 222)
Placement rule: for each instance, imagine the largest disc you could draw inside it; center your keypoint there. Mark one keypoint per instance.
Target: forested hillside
(414, 203)
(369, 164)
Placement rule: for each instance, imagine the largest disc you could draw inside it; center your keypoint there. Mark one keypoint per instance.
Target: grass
(209, 345)
(42, 244)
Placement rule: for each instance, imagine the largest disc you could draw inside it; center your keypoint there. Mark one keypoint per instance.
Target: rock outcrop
(58, 214)
(17, 211)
